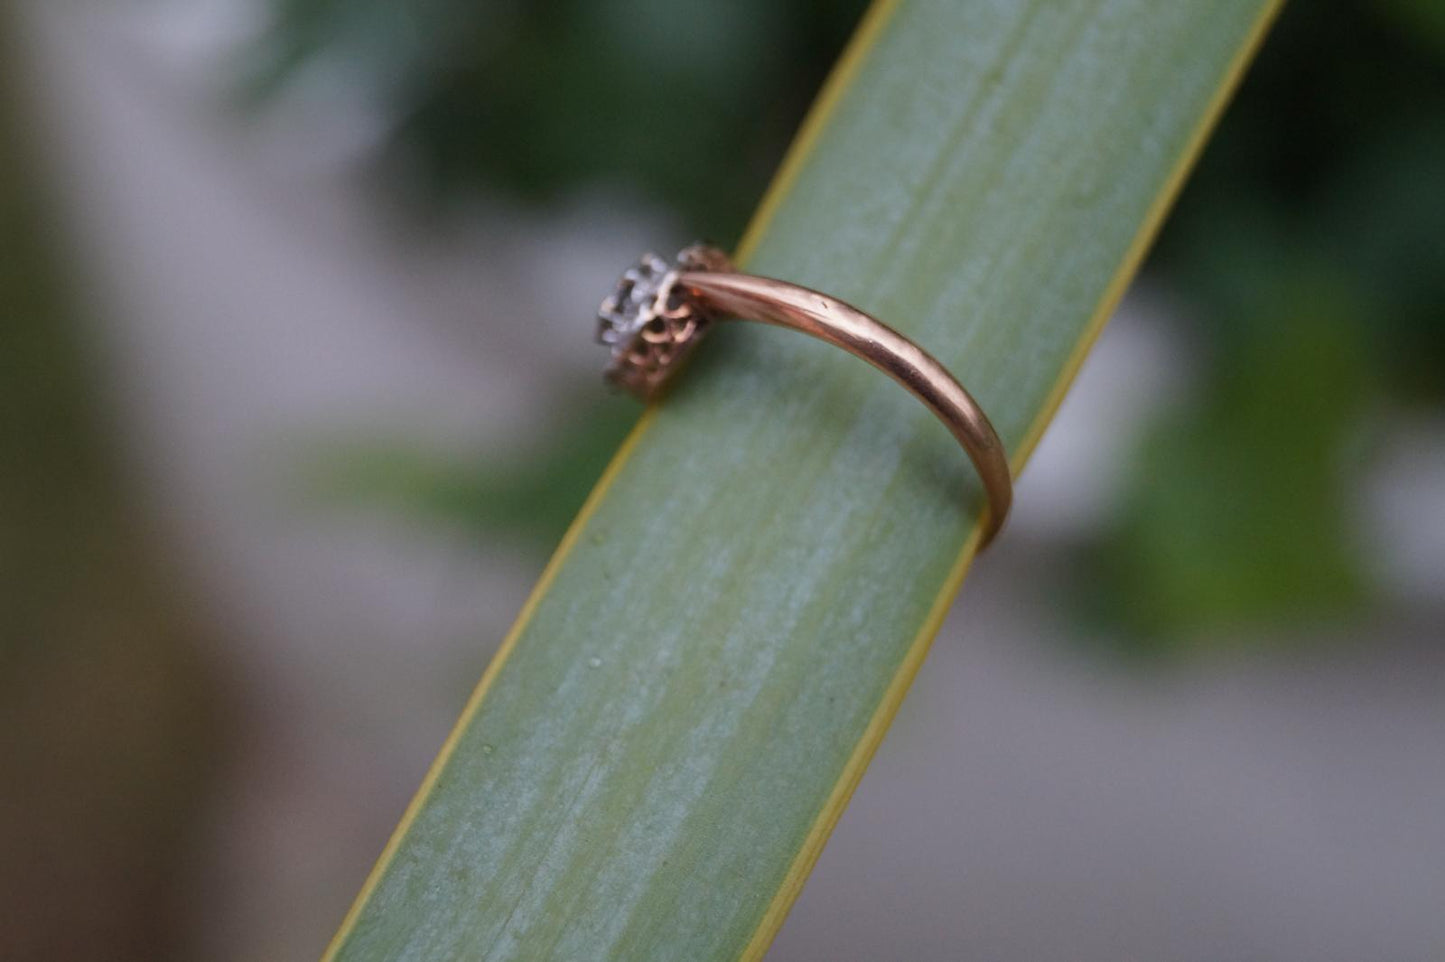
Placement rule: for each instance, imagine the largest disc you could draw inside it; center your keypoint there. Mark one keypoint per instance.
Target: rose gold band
(770, 301)
(659, 312)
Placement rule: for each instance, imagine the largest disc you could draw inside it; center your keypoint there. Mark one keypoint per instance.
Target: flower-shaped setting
(650, 322)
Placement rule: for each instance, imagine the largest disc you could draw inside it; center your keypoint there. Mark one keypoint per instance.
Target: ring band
(659, 312)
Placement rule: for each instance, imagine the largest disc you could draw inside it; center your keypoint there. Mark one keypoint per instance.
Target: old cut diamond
(650, 323)
(632, 303)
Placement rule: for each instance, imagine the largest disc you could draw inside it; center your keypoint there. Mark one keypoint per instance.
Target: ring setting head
(651, 322)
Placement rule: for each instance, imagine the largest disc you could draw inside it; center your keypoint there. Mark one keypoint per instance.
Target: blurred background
(297, 391)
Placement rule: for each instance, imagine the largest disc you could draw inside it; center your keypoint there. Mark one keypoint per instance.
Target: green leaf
(653, 761)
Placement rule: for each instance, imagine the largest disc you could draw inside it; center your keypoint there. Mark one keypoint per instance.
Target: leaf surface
(653, 761)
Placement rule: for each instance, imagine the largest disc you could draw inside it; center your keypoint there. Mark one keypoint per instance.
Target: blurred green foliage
(1306, 251)
(689, 104)
(1309, 253)
(529, 498)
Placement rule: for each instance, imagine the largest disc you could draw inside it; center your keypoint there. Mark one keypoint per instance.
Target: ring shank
(829, 319)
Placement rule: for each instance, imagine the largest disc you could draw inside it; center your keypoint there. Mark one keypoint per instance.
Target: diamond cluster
(650, 323)
(632, 302)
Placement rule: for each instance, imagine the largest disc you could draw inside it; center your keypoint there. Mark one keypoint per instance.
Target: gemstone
(650, 323)
(632, 303)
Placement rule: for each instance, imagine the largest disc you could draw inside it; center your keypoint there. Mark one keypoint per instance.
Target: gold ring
(659, 312)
